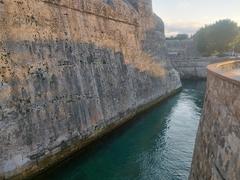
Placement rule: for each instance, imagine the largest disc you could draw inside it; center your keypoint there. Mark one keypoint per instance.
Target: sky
(187, 16)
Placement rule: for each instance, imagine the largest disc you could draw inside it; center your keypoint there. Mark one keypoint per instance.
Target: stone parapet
(217, 147)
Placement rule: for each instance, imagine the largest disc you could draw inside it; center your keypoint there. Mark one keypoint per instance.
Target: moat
(158, 144)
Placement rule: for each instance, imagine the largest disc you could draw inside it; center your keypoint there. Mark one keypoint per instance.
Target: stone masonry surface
(186, 59)
(71, 68)
(217, 148)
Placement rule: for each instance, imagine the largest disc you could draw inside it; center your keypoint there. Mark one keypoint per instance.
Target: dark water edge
(156, 145)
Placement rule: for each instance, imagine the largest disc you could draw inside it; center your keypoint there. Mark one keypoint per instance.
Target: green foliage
(216, 38)
(235, 45)
(178, 37)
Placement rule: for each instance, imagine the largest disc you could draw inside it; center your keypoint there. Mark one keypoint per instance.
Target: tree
(215, 38)
(178, 37)
(235, 44)
(182, 36)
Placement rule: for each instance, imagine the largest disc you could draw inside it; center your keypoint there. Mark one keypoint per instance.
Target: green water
(157, 145)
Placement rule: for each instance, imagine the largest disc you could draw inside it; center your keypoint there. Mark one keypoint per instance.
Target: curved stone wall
(217, 148)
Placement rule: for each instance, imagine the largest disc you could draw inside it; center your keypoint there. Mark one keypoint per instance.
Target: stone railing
(229, 70)
(217, 149)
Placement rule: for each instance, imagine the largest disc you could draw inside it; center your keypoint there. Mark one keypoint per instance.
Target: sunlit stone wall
(217, 148)
(72, 69)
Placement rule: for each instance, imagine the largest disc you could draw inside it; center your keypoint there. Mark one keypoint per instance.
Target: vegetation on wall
(215, 39)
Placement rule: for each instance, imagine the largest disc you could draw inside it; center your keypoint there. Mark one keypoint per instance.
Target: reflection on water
(157, 145)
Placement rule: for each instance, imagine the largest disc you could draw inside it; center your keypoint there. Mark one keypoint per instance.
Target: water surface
(157, 145)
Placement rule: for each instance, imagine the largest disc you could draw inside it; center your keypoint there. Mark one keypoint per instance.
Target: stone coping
(229, 70)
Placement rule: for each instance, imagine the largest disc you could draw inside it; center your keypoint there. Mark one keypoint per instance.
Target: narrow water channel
(157, 145)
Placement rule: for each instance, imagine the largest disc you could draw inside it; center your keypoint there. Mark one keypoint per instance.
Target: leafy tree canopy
(235, 45)
(217, 38)
(178, 37)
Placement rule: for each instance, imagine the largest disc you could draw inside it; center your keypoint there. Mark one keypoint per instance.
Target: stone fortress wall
(71, 70)
(186, 59)
(217, 147)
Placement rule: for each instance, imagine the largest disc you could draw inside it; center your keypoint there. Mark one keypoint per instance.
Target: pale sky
(186, 16)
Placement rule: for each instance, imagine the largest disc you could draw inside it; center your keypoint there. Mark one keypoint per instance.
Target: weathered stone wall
(71, 69)
(217, 148)
(182, 49)
(194, 68)
(187, 60)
